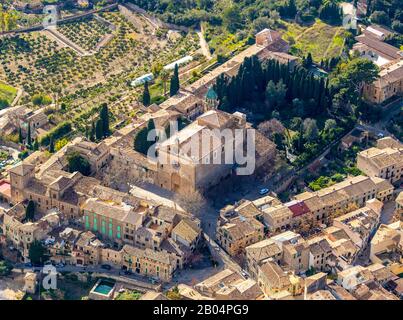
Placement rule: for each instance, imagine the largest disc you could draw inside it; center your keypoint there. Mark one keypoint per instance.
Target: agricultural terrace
(38, 63)
(322, 40)
(86, 33)
(7, 93)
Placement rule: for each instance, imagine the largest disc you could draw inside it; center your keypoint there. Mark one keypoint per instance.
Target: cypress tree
(51, 145)
(92, 133)
(308, 61)
(20, 137)
(30, 211)
(174, 86)
(140, 141)
(99, 129)
(292, 9)
(146, 95)
(36, 144)
(104, 116)
(29, 138)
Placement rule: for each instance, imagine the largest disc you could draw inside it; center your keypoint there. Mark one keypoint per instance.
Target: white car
(263, 191)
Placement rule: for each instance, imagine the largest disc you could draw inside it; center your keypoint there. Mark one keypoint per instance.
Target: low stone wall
(135, 284)
(63, 20)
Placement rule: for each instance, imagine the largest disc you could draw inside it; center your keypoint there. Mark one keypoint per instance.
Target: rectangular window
(95, 224)
(118, 232)
(103, 227)
(87, 222)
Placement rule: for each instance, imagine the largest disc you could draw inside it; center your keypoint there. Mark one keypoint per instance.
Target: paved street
(387, 212)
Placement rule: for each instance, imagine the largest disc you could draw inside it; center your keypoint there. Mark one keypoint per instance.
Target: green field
(321, 40)
(7, 92)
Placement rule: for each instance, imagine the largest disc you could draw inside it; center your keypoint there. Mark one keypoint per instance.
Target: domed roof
(211, 94)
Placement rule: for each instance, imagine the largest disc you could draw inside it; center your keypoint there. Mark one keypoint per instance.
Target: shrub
(56, 133)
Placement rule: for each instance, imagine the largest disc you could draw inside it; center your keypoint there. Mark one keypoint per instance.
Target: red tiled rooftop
(5, 188)
(298, 208)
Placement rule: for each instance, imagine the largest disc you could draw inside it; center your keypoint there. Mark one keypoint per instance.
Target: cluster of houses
(371, 45)
(287, 266)
(82, 221)
(320, 267)
(20, 117)
(85, 223)
(339, 229)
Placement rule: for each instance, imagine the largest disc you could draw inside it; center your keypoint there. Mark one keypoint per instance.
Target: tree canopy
(351, 76)
(37, 253)
(30, 211)
(78, 163)
(175, 85)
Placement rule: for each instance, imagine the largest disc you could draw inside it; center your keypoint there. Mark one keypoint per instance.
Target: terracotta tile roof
(263, 250)
(298, 208)
(240, 227)
(187, 230)
(275, 276)
(22, 169)
(383, 48)
(121, 212)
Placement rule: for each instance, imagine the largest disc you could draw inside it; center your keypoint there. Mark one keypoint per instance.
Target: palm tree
(164, 75)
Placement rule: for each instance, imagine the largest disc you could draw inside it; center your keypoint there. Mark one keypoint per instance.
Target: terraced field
(38, 63)
(7, 93)
(86, 33)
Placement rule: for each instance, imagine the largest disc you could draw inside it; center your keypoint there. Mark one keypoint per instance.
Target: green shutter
(103, 227)
(110, 230)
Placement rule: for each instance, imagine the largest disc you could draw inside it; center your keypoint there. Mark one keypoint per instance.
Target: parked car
(106, 267)
(263, 191)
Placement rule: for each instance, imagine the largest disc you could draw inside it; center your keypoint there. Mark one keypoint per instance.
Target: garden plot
(321, 40)
(7, 93)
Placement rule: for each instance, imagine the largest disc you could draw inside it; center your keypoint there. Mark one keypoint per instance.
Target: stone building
(238, 233)
(382, 162)
(148, 262)
(261, 252)
(370, 44)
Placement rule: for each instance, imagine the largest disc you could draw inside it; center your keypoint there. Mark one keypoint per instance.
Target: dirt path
(17, 97)
(203, 44)
(331, 42)
(62, 39)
